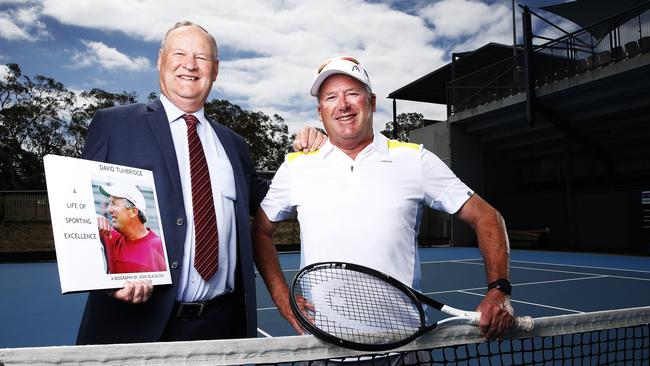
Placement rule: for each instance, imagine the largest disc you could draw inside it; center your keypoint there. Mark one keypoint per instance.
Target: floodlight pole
(514, 32)
(515, 66)
(394, 119)
(529, 67)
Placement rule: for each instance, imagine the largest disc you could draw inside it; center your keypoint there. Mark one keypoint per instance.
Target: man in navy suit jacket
(153, 136)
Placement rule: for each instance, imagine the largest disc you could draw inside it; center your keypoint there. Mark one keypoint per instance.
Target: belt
(198, 308)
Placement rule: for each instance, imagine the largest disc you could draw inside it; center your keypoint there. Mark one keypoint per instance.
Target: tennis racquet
(363, 309)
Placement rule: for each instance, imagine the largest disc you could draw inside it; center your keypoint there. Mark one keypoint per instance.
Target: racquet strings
(357, 307)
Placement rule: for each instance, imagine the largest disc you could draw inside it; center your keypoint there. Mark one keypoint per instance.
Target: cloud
(470, 24)
(11, 31)
(270, 49)
(109, 58)
(22, 24)
(4, 72)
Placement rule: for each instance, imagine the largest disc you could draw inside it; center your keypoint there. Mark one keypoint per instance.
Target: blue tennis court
(34, 313)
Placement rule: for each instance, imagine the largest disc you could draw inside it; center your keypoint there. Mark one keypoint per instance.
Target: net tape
(548, 332)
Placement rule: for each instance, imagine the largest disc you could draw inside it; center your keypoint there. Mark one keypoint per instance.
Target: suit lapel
(157, 119)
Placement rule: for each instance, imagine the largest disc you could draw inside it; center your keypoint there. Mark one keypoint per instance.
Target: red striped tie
(206, 244)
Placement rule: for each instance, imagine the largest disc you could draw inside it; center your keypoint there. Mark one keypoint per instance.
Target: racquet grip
(525, 323)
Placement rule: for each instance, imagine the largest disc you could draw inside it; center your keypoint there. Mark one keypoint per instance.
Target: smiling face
(345, 107)
(121, 215)
(187, 65)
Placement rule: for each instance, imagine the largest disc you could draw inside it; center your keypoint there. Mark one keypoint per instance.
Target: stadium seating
(632, 49)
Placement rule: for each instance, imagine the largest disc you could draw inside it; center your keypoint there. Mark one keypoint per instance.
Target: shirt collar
(379, 143)
(174, 113)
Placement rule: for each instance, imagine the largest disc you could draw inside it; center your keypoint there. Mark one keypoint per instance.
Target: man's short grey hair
(187, 23)
(141, 215)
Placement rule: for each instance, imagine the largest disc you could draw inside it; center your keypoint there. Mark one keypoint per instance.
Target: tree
(95, 99)
(38, 117)
(267, 137)
(405, 123)
(32, 119)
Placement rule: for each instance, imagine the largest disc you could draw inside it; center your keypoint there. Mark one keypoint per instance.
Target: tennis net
(618, 337)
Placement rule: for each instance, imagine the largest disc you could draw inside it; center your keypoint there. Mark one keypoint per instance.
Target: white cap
(130, 192)
(339, 65)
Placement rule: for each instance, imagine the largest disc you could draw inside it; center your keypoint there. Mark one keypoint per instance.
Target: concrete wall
(435, 227)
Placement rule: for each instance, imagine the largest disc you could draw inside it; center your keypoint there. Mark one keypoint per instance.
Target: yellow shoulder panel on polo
(394, 144)
(292, 156)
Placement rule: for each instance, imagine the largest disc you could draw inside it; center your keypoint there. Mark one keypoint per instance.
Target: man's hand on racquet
(306, 308)
(496, 314)
(285, 310)
(360, 308)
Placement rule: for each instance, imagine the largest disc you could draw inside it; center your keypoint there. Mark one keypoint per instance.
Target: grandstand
(554, 132)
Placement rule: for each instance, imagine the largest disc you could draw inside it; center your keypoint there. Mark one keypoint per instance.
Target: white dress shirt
(192, 287)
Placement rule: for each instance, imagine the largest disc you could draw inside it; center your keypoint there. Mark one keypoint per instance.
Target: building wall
(606, 219)
(593, 219)
(435, 227)
(462, 153)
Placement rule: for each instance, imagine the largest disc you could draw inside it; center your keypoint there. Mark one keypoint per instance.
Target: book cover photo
(106, 224)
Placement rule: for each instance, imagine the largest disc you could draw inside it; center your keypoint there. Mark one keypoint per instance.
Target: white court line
(571, 272)
(581, 266)
(519, 284)
(531, 303)
(585, 273)
(269, 308)
(265, 334)
(464, 261)
(591, 276)
(452, 260)
(468, 290)
(284, 270)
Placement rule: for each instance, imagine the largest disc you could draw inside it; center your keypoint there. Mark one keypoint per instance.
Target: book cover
(106, 224)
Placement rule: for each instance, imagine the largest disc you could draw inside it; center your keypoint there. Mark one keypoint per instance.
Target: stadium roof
(431, 88)
(586, 13)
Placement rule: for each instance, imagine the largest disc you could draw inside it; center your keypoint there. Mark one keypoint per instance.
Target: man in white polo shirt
(360, 198)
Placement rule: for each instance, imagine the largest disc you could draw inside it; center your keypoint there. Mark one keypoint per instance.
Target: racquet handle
(525, 323)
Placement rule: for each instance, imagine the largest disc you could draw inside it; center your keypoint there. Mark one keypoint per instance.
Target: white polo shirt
(368, 210)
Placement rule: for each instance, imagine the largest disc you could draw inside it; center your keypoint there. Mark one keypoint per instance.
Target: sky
(268, 49)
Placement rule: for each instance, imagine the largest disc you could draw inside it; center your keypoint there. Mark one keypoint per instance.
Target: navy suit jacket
(139, 136)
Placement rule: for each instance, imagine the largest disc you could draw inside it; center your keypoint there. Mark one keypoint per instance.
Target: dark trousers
(222, 319)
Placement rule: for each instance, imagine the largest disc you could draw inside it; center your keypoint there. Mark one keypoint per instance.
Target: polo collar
(379, 143)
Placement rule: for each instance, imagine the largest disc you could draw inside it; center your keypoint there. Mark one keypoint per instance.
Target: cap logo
(339, 65)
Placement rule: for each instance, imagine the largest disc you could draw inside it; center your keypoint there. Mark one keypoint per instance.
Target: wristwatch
(502, 285)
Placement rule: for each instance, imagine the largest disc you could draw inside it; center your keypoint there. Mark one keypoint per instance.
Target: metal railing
(24, 206)
(553, 60)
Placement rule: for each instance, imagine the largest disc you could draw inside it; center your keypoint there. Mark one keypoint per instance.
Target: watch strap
(502, 285)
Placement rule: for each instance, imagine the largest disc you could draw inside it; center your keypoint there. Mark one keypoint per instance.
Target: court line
(466, 261)
(582, 266)
(519, 284)
(468, 290)
(572, 272)
(265, 334)
(427, 262)
(267, 308)
(530, 303)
